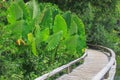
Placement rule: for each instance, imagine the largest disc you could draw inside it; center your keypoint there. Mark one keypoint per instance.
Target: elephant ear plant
(38, 38)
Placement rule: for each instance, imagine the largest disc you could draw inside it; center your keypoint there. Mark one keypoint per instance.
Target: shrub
(37, 37)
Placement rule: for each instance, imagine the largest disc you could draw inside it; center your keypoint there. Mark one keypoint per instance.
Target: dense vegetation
(36, 38)
(101, 19)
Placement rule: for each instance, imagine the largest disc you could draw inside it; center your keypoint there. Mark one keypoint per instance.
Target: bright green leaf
(54, 40)
(31, 39)
(67, 17)
(80, 25)
(41, 35)
(35, 9)
(14, 13)
(73, 28)
(71, 43)
(47, 20)
(60, 25)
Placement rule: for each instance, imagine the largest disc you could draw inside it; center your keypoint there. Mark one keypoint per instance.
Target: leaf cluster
(38, 38)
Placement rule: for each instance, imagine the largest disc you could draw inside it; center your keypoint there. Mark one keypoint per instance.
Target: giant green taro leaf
(47, 20)
(23, 6)
(33, 9)
(31, 39)
(67, 17)
(41, 35)
(60, 25)
(81, 29)
(54, 40)
(80, 25)
(73, 28)
(14, 13)
(71, 43)
(16, 28)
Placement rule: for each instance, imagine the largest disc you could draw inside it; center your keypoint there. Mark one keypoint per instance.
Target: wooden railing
(108, 72)
(59, 69)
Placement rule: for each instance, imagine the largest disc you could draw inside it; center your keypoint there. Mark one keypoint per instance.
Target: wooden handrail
(59, 69)
(112, 64)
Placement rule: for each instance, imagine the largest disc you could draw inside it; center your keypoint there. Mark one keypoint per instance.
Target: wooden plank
(93, 63)
(106, 69)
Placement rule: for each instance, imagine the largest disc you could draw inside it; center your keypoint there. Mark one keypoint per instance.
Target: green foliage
(35, 9)
(67, 17)
(41, 35)
(80, 25)
(71, 43)
(81, 30)
(101, 19)
(47, 19)
(37, 38)
(60, 25)
(54, 40)
(16, 28)
(14, 13)
(95, 14)
(31, 39)
(73, 28)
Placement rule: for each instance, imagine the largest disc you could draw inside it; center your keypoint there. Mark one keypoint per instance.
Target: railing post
(106, 75)
(69, 69)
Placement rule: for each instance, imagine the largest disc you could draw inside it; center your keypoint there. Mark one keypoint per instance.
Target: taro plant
(40, 36)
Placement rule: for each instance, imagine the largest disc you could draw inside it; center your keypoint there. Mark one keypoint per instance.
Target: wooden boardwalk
(93, 63)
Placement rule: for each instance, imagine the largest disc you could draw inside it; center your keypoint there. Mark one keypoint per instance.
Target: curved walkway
(88, 69)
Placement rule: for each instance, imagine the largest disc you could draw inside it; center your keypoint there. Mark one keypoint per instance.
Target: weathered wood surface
(94, 62)
(108, 72)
